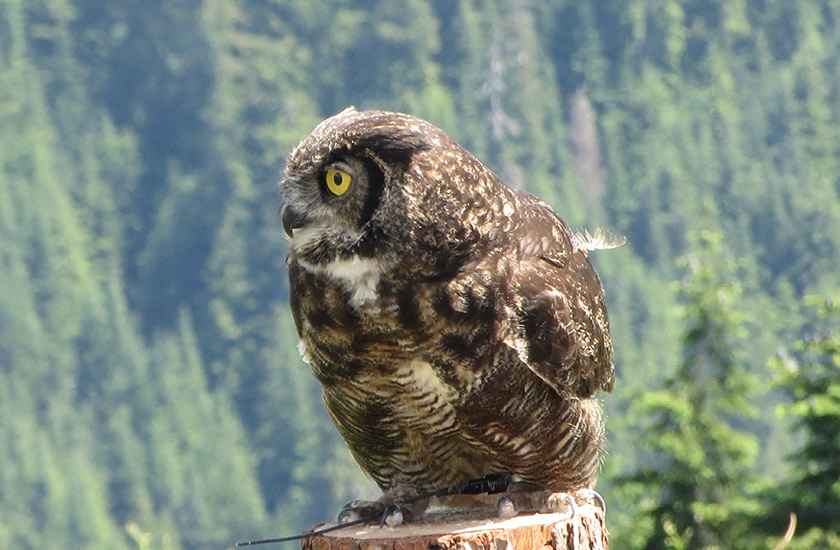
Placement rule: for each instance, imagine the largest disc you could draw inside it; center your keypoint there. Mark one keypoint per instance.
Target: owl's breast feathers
(481, 370)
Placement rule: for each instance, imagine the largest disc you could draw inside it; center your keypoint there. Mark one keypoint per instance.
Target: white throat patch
(359, 276)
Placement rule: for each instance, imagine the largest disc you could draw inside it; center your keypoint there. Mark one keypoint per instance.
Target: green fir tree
(702, 455)
(812, 379)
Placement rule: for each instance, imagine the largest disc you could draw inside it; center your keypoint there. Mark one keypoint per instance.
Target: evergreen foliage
(813, 382)
(700, 475)
(150, 389)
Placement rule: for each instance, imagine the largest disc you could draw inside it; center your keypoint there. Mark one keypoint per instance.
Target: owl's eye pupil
(338, 178)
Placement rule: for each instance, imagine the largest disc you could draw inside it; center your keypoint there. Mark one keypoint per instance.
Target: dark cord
(309, 534)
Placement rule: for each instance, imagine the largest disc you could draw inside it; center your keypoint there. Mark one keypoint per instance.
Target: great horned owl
(456, 325)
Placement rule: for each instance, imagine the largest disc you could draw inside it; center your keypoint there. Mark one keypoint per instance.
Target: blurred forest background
(151, 395)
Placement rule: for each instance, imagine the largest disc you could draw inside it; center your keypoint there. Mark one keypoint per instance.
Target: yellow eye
(338, 181)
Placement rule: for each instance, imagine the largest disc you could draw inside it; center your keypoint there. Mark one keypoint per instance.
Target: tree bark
(465, 531)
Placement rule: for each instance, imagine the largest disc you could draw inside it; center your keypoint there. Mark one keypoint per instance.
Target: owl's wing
(563, 313)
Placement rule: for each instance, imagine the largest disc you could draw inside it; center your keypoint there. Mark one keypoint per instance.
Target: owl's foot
(521, 501)
(387, 513)
(360, 510)
(392, 516)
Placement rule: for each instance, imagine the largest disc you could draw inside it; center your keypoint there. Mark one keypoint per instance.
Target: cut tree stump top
(465, 531)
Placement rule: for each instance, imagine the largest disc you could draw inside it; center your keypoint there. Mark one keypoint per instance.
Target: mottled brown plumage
(456, 325)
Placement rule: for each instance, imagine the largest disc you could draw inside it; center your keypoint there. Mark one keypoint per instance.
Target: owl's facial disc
(327, 211)
(325, 199)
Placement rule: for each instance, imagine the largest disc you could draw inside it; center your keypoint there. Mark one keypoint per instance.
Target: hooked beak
(292, 219)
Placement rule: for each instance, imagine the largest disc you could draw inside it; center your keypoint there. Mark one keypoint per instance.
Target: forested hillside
(151, 394)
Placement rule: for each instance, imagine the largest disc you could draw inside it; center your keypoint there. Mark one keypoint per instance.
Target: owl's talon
(561, 502)
(348, 515)
(392, 516)
(596, 496)
(506, 508)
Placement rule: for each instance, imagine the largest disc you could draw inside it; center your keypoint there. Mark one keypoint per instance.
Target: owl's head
(374, 185)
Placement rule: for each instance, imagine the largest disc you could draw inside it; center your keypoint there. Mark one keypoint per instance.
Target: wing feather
(562, 309)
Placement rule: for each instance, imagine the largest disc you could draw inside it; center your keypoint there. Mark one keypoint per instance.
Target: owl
(456, 325)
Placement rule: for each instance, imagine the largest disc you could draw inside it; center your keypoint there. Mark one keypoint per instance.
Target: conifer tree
(814, 384)
(701, 455)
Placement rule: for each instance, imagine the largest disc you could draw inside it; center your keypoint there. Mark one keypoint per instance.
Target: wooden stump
(464, 531)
